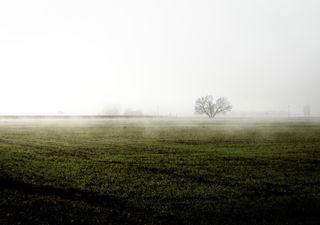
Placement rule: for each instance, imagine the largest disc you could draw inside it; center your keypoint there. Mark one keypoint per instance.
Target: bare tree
(206, 105)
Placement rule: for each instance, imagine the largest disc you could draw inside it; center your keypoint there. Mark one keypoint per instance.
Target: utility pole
(306, 110)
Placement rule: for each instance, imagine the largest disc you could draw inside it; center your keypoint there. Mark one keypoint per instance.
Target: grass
(159, 172)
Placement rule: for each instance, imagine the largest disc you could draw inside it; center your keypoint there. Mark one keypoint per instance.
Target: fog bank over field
(158, 57)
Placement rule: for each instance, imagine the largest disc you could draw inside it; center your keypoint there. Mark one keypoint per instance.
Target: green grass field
(159, 172)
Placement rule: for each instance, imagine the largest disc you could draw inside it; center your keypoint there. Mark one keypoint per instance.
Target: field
(155, 171)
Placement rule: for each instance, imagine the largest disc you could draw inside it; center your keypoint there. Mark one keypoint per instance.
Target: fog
(158, 57)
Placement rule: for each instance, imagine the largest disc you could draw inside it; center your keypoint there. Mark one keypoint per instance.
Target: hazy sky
(80, 56)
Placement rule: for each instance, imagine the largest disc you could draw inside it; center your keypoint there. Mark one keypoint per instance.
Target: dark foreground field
(159, 172)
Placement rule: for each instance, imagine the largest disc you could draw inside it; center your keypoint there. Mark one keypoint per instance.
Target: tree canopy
(206, 105)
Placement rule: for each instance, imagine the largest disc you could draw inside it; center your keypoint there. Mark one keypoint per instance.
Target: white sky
(80, 56)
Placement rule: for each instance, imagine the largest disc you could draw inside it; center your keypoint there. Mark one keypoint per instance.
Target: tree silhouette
(206, 105)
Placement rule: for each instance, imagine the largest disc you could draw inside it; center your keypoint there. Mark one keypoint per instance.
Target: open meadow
(159, 171)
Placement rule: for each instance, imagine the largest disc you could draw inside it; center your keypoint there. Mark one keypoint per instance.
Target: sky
(81, 57)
